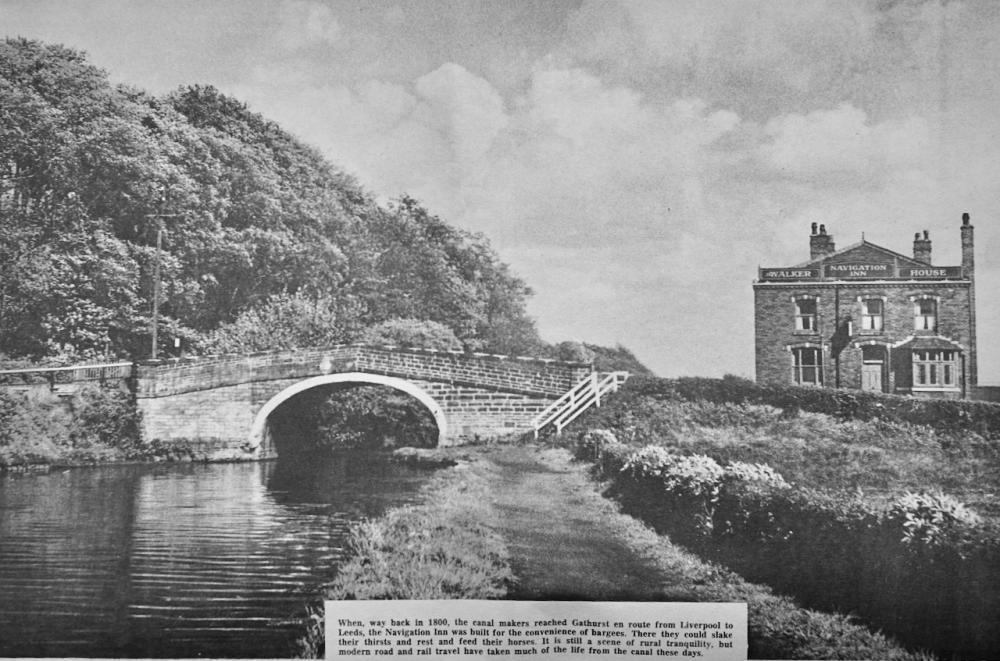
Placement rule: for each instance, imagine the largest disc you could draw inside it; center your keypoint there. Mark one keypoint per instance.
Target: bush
(928, 518)
(94, 425)
(418, 333)
(284, 321)
(927, 569)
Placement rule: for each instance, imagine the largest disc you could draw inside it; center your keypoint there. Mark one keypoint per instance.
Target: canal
(183, 560)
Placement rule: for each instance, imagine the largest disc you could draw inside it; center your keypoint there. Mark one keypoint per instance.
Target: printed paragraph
(564, 630)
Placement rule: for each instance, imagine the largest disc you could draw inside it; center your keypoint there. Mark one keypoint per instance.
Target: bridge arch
(259, 427)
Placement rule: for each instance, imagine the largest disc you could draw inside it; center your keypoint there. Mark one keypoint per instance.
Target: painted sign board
(931, 272)
(788, 274)
(859, 270)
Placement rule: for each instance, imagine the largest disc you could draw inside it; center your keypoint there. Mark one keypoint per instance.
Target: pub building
(868, 318)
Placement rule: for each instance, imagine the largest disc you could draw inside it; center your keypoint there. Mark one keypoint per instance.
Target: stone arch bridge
(221, 404)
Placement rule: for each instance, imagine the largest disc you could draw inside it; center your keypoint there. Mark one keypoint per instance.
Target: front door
(871, 376)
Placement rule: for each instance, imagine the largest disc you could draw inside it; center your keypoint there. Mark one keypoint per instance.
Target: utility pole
(156, 287)
(155, 324)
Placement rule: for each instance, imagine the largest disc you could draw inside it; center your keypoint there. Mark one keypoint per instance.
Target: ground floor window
(934, 368)
(807, 364)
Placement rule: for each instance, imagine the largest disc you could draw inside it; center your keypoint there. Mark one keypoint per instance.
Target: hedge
(944, 414)
(926, 570)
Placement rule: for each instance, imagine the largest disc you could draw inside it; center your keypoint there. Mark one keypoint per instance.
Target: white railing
(69, 374)
(580, 397)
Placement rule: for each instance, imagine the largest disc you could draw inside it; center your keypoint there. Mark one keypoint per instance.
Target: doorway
(873, 368)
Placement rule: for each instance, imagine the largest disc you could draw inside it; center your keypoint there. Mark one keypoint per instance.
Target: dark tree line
(257, 226)
(266, 244)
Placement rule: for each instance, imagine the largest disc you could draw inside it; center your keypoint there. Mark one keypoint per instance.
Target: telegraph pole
(156, 286)
(155, 324)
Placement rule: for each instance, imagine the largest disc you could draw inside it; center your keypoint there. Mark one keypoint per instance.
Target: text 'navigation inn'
(869, 318)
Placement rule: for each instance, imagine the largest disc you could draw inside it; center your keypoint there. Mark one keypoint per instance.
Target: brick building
(869, 318)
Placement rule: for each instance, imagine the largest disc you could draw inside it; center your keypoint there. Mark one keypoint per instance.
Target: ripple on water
(178, 561)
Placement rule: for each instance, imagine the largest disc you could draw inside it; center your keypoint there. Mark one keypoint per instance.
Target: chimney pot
(965, 218)
(922, 247)
(820, 244)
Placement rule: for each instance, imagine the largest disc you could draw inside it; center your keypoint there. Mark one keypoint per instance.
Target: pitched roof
(863, 250)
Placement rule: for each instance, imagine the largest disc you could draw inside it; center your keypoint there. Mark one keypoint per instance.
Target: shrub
(926, 518)
(754, 475)
(419, 333)
(927, 570)
(94, 425)
(284, 321)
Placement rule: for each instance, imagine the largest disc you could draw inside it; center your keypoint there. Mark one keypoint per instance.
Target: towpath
(566, 541)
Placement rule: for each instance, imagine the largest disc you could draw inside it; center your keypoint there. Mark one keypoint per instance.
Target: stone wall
(512, 374)
(215, 400)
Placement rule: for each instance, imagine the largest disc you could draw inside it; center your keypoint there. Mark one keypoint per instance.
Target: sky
(633, 161)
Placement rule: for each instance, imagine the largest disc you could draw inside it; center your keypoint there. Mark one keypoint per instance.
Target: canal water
(186, 560)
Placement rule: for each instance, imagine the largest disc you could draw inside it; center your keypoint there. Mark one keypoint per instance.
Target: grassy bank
(880, 459)
(844, 514)
(443, 549)
(93, 426)
(448, 548)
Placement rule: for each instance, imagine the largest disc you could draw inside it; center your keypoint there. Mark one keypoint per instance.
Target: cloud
(465, 109)
(303, 23)
(840, 146)
(662, 151)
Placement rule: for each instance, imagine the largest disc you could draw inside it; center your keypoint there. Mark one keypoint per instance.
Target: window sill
(936, 389)
(813, 333)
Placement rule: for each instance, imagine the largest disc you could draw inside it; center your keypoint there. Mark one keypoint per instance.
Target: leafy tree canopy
(256, 227)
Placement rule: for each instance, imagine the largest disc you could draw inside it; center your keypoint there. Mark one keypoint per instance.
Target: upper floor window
(872, 314)
(805, 314)
(934, 368)
(807, 366)
(925, 314)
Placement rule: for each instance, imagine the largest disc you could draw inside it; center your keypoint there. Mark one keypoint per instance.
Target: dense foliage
(94, 425)
(925, 569)
(265, 244)
(258, 228)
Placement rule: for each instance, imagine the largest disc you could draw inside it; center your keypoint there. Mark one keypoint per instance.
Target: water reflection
(179, 561)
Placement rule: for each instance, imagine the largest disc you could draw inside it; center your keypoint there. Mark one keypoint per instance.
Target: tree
(284, 321)
(412, 333)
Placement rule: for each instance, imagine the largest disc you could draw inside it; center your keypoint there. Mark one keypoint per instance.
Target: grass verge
(441, 549)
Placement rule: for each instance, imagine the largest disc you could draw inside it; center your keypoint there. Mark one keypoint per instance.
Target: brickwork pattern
(775, 326)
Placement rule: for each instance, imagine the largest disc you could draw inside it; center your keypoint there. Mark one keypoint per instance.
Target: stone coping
(194, 360)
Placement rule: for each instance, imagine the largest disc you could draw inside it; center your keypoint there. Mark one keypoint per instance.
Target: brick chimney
(922, 248)
(820, 243)
(969, 271)
(968, 256)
